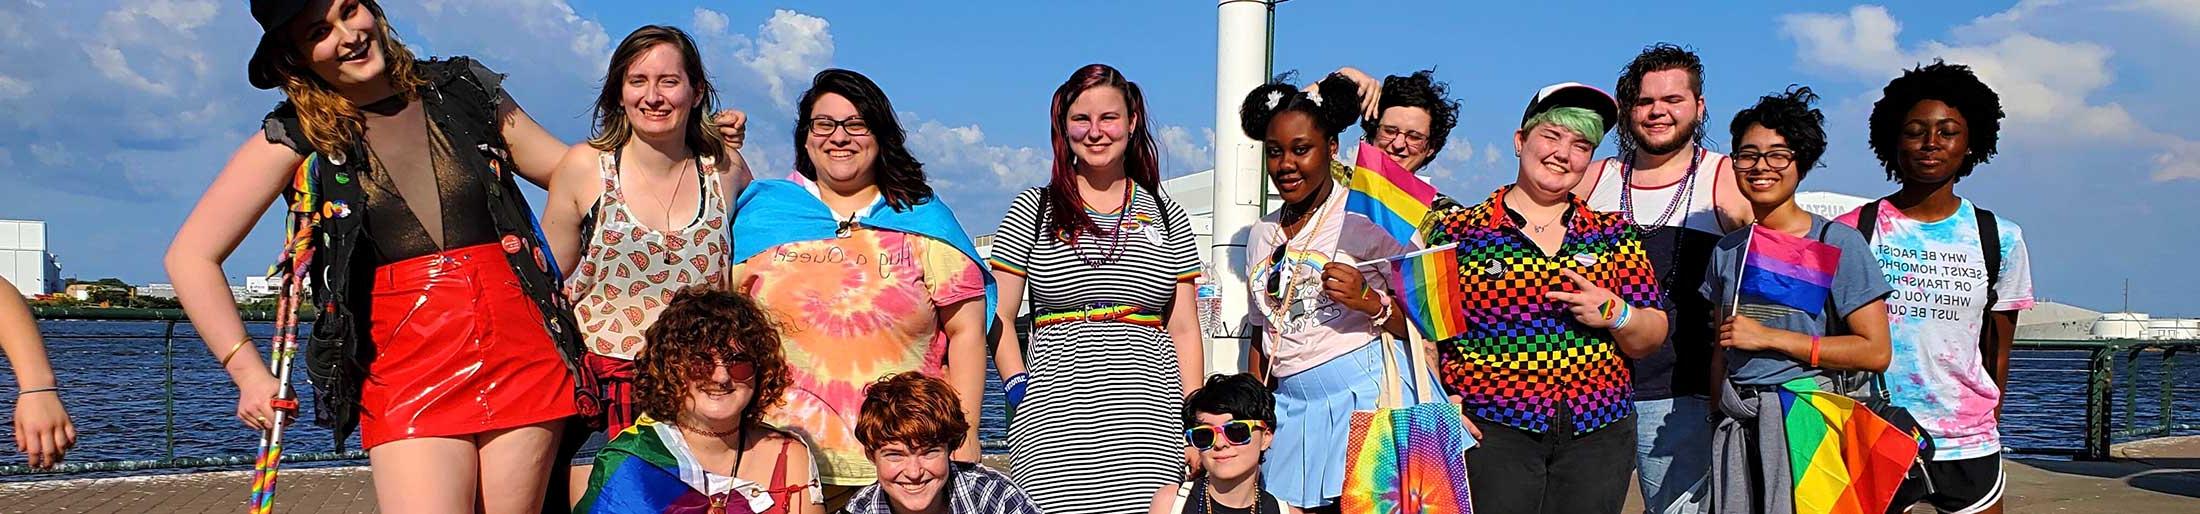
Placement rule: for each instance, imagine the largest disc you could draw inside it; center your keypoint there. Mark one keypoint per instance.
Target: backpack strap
(1183, 496)
(1848, 383)
(1867, 219)
(1989, 239)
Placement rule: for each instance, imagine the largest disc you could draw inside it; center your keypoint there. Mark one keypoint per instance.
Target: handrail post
(168, 402)
(2101, 377)
(2168, 417)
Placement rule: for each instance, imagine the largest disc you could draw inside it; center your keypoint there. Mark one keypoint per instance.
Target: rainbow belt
(1099, 313)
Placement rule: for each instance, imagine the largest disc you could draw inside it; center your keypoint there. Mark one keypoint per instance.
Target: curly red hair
(913, 409)
(699, 327)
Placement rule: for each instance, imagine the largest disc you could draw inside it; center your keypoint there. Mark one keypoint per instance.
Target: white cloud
(2048, 87)
(1181, 154)
(2186, 12)
(964, 149)
(541, 34)
(789, 48)
(709, 22)
(11, 89)
(1489, 154)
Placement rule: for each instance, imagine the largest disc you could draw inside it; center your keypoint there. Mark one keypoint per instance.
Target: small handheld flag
(1389, 195)
(1427, 287)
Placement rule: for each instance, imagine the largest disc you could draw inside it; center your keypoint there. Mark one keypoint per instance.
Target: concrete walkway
(2160, 475)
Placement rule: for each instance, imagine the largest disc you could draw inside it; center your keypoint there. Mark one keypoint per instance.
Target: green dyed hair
(1582, 122)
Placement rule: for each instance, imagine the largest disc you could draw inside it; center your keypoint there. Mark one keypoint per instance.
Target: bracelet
(50, 389)
(1382, 317)
(1625, 312)
(233, 351)
(1814, 350)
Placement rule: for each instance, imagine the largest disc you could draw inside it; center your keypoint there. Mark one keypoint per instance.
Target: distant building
(24, 259)
(158, 290)
(262, 286)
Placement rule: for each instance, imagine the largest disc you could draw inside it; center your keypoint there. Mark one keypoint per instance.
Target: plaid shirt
(976, 489)
(1523, 356)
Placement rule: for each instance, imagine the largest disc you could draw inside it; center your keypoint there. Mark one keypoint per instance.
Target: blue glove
(1013, 387)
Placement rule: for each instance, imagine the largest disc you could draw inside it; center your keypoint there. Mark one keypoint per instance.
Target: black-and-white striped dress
(1100, 428)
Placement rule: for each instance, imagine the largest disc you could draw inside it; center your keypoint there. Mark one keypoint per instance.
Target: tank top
(1679, 251)
(629, 271)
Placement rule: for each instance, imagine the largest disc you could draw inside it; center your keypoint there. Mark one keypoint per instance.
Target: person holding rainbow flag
(1799, 297)
(1319, 316)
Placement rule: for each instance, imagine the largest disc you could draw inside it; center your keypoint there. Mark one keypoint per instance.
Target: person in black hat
(1556, 293)
(440, 336)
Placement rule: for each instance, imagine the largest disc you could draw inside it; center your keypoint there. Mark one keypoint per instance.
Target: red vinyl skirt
(459, 350)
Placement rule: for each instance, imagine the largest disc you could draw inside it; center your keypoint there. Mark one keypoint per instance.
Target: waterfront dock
(2155, 475)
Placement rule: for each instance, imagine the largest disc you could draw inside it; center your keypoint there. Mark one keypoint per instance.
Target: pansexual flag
(1845, 459)
(1785, 270)
(1427, 288)
(1388, 194)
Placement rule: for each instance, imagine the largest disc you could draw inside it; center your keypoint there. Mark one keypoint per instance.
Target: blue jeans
(1672, 451)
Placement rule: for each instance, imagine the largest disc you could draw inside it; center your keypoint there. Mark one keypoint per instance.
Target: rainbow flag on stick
(1784, 270)
(1388, 194)
(1427, 288)
(1845, 458)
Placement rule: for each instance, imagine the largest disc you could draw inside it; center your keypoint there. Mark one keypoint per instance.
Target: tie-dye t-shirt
(1938, 270)
(854, 309)
(1304, 327)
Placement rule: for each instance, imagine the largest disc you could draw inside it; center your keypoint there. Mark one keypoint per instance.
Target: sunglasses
(736, 371)
(1238, 433)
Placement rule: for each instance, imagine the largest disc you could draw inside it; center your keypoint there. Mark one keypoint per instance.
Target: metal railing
(2104, 389)
(169, 319)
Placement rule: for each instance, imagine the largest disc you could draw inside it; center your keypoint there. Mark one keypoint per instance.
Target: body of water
(117, 390)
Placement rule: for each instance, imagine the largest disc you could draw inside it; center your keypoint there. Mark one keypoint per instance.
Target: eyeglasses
(1238, 433)
(823, 126)
(1389, 133)
(736, 371)
(1776, 159)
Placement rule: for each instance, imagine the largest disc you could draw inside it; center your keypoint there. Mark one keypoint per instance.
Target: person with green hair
(1555, 293)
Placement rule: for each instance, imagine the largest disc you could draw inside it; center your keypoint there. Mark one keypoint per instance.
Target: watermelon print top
(1523, 357)
(629, 270)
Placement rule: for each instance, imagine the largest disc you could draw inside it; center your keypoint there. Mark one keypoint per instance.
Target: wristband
(1625, 312)
(1013, 388)
(1814, 350)
(1382, 316)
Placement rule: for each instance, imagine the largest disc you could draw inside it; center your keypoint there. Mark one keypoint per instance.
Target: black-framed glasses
(1388, 133)
(1776, 159)
(823, 126)
(1237, 433)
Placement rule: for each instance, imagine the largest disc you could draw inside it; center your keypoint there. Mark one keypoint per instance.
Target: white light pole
(1241, 64)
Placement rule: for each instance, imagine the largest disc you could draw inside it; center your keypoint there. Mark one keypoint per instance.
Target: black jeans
(1516, 471)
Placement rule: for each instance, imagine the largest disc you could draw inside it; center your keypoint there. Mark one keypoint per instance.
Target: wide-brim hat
(272, 15)
(1574, 94)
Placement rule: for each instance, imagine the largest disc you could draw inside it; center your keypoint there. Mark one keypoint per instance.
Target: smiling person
(652, 193)
(1679, 194)
(1108, 261)
(1776, 144)
(1230, 421)
(866, 268)
(1554, 294)
(441, 336)
(711, 370)
(909, 425)
(1322, 320)
(1952, 326)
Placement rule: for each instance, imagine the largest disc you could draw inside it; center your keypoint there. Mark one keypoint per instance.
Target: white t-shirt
(1938, 271)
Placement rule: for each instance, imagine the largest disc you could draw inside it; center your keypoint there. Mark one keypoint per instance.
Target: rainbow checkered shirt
(1523, 356)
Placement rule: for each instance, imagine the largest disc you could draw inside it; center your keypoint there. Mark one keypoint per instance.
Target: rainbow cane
(297, 254)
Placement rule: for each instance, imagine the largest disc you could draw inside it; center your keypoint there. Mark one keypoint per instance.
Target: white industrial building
(24, 259)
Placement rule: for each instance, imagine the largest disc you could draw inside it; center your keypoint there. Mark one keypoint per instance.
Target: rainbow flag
(1780, 269)
(1388, 194)
(1427, 288)
(638, 473)
(1845, 458)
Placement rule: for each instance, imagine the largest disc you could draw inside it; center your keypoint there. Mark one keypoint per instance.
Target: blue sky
(119, 112)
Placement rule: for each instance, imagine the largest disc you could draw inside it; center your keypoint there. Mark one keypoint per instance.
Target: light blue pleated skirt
(1305, 466)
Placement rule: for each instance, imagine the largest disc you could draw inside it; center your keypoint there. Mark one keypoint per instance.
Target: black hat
(1573, 94)
(271, 14)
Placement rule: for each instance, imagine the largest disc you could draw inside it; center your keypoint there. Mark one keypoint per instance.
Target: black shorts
(1957, 486)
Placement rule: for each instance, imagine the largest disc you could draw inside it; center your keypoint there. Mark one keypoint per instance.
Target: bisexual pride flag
(1786, 271)
(1388, 194)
